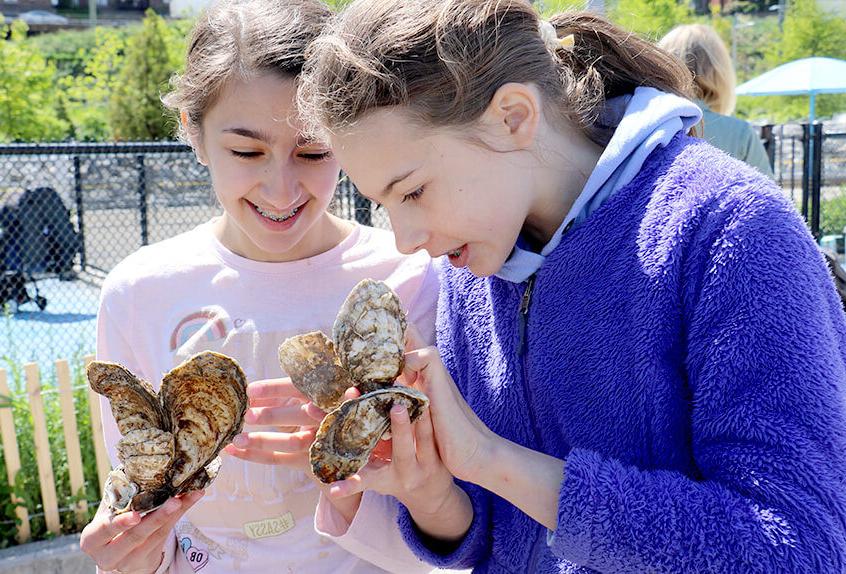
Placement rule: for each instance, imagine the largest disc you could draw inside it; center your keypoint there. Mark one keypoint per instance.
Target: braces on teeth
(274, 217)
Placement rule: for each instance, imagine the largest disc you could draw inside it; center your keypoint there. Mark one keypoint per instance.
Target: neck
(566, 162)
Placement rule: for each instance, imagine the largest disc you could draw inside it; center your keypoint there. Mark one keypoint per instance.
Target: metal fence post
(768, 137)
(142, 198)
(362, 211)
(816, 180)
(806, 146)
(80, 219)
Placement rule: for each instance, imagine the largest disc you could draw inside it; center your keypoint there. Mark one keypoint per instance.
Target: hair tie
(550, 37)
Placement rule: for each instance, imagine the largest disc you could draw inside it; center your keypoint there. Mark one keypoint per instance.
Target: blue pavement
(65, 329)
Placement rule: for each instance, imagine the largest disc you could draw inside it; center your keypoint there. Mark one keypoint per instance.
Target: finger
(274, 388)
(105, 527)
(313, 411)
(272, 402)
(348, 487)
(274, 441)
(402, 451)
(297, 460)
(117, 552)
(351, 393)
(424, 434)
(418, 364)
(130, 550)
(292, 415)
(157, 539)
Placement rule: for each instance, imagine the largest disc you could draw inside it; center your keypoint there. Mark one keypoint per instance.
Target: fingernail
(171, 506)
(335, 491)
(134, 519)
(250, 416)
(240, 441)
(397, 410)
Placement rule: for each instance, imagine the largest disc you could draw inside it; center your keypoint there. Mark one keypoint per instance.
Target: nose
(410, 236)
(279, 186)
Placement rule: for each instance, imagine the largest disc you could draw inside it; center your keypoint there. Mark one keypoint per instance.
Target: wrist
(485, 459)
(427, 507)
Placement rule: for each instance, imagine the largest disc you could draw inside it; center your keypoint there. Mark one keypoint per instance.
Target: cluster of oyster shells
(171, 439)
(366, 351)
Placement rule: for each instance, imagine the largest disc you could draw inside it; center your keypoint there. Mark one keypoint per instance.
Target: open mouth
(277, 217)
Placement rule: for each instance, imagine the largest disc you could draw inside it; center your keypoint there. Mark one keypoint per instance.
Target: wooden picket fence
(46, 479)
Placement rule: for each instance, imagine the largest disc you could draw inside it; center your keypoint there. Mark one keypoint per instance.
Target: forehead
(382, 145)
(266, 101)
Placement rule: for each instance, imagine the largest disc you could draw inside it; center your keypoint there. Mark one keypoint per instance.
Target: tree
(28, 110)
(135, 109)
(85, 97)
(651, 18)
(808, 31)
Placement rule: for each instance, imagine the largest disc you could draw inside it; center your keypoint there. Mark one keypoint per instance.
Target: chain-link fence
(809, 163)
(70, 212)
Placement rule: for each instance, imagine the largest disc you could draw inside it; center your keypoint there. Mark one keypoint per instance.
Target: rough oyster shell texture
(367, 352)
(368, 333)
(314, 369)
(171, 439)
(349, 434)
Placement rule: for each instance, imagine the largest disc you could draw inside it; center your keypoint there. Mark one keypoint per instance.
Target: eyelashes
(306, 156)
(414, 195)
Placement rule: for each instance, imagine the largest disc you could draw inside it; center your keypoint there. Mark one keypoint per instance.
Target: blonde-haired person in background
(703, 51)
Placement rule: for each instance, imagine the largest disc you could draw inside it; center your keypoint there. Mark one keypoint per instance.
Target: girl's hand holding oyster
(130, 543)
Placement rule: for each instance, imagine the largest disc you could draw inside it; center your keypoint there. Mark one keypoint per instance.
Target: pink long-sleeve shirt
(187, 294)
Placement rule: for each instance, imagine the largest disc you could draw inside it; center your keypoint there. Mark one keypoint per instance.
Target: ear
(194, 137)
(512, 117)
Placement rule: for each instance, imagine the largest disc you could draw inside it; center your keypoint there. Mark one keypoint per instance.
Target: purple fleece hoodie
(684, 353)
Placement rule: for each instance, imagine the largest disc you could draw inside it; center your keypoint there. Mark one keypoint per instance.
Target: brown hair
(705, 54)
(445, 59)
(238, 39)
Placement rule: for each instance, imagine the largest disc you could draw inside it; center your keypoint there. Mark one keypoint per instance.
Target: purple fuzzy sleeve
(475, 544)
(767, 380)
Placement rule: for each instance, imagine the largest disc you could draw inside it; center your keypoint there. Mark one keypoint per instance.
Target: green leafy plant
(27, 486)
(27, 99)
(135, 108)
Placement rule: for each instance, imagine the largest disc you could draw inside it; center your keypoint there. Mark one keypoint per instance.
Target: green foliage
(85, 96)
(27, 98)
(26, 485)
(833, 214)
(808, 31)
(135, 108)
(549, 8)
(68, 50)
(651, 18)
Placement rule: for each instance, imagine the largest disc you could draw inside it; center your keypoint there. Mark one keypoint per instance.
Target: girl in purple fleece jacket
(641, 359)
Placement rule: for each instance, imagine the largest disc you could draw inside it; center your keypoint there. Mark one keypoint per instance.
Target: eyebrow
(248, 133)
(395, 181)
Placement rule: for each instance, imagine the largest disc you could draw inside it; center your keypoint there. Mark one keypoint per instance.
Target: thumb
(418, 361)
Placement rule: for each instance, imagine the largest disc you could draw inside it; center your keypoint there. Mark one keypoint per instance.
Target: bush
(28, 103)
(135, 108)
(27, 486)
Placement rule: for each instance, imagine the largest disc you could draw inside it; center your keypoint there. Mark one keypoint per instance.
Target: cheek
(322, 182)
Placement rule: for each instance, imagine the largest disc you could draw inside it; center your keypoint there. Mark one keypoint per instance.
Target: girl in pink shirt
(276, 263)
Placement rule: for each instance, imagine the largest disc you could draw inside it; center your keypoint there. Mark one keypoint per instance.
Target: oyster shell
(170, 440)
(314, 369)
(368, 334)
(348, 435)
(206, 398)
